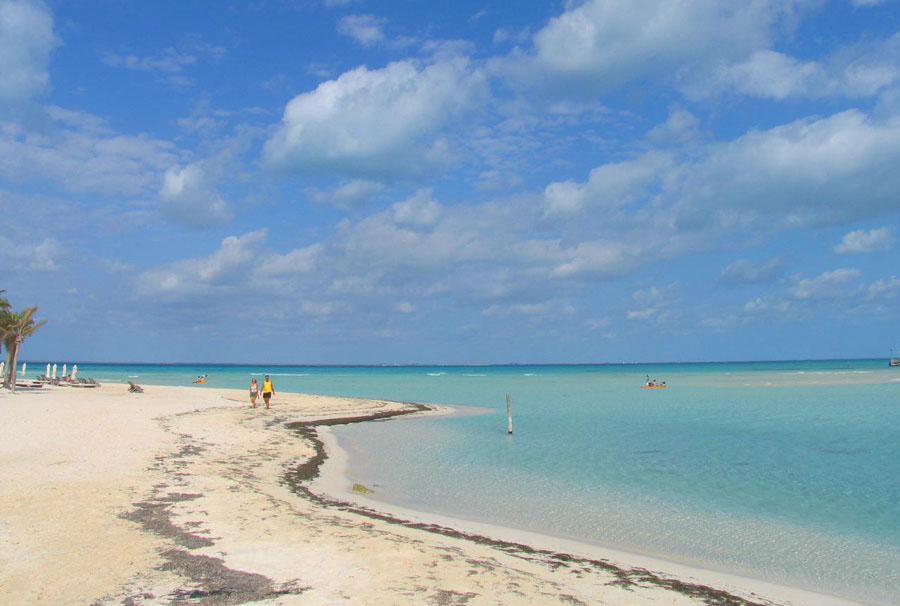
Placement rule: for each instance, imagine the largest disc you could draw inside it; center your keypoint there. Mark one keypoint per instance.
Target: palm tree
(4, 308)
(16, 327)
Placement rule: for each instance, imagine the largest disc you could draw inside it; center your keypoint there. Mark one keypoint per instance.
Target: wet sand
(188, 496)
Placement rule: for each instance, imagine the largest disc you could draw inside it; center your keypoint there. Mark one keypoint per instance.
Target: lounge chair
(135, 388)
(85, 383)
(21, 383)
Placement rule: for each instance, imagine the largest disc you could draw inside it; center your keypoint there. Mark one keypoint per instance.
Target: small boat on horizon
(893, 361)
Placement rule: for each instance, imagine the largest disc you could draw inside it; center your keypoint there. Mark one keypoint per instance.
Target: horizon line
(461, 365)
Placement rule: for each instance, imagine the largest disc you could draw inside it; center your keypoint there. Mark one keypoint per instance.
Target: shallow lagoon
(787, 471)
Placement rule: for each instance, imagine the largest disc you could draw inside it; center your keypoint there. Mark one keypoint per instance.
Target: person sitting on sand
(254, 392)
(268, 390)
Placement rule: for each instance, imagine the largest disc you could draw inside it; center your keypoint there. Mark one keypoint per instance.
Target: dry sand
(188, 496)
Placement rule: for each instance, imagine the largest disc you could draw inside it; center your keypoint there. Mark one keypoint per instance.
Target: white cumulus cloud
(187, 198)
(827, 285)
(28, 255)
(810, 172)
(420, 210)
(81, 154)
(853, 71)
(26, 41)
(601, 44)
(862, 241)
(298, 261)
(371, 123)
(608, 186)
(226, 268)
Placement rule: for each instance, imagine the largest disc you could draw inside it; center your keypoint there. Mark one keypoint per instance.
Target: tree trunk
(14, 353)
(5, 377)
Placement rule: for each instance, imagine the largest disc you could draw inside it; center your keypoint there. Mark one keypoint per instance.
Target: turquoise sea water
(787, 471)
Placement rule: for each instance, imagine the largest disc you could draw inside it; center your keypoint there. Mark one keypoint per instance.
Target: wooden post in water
(509, 414)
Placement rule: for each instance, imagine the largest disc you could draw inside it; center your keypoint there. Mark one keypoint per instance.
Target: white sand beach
(188, 496)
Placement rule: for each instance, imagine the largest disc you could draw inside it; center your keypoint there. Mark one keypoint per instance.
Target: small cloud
(762, 305)
(888, 288)
(365, 29)
(404, 307)
(599, 323)
(681, 127)
(170, 62)
(612, 185)
(419, 210)
(117, 266)
(29, 256)
(187, 198)
(861, 241)
(350, 195)
(828, 285)
(653, 302)
(322, 308)
(743, 271)
(530, 309)
(656, 295)
(299, 261)
(722, 323)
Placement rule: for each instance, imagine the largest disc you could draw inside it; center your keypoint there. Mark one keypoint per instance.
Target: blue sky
(349, 181)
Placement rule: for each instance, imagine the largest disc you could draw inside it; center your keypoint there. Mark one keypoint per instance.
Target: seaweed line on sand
(210, 582)
(298, 476)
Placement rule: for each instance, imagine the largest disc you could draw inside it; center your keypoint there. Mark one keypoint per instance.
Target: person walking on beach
(254, 392)
(268, 390)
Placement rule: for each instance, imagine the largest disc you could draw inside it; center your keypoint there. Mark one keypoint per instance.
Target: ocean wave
(437, 374)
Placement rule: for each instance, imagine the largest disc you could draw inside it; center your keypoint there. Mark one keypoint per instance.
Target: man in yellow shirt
(268, 390)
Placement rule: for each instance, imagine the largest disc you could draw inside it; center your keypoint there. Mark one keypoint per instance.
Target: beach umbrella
(53, 374)
(47, 374)
(2, 366)
(23, 369)
(74, 370)
(64, 371)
